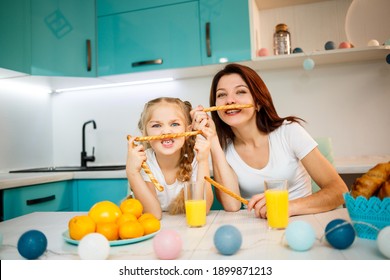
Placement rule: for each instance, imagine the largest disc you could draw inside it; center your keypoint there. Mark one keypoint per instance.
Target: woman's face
(165, 119)
(232, 89)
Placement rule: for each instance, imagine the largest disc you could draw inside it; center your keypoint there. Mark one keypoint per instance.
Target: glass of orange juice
(276, 199)
(195, 203)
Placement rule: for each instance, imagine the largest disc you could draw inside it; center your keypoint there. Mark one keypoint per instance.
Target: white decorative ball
(94, 246)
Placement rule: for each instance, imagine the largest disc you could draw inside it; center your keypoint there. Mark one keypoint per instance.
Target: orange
(105, 211)
(125, 217)
(109, 229)
(150, 225)
(79, 226)
(146, 216)
(131, 229)
(132, 205)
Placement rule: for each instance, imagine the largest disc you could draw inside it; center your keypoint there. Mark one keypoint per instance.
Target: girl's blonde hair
(187, 151)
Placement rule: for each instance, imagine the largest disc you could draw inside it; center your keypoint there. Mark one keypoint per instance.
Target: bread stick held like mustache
(227, 107)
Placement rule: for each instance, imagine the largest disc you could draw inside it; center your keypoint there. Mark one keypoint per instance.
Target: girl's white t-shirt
(170, 191)
(288, 144)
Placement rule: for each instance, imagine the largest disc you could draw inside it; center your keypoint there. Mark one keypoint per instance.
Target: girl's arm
(222, 172)
(143, 191)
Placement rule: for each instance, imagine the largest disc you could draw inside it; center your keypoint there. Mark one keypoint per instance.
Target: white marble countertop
(259, 243)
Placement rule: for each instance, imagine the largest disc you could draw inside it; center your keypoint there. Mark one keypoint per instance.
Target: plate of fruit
(121, 225)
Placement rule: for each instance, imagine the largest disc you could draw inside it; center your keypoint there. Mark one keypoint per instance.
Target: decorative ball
(263, 52)
(167, 244)
(330, 45)
(32, 244)
(387, 42)
(300, 235)
(345, 45)
(383, 241)
(94, 246)
(297, 50)
(388, 58)
(227, 239)
(373, 43)
(308, 64)
(340, 234)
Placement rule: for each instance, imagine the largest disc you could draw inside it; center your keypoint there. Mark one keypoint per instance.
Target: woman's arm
(330, 196)
(143, 191)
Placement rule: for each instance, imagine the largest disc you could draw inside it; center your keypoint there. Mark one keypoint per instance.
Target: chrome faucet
(84, 157)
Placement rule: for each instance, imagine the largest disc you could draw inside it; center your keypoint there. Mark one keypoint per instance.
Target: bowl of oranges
(120, 224)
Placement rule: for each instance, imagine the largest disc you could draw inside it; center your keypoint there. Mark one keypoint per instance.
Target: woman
(251, 145)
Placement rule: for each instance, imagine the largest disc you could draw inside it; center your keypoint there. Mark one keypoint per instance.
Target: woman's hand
(135, 157)
(257, 202)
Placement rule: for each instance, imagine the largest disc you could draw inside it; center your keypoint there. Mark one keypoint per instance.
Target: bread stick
(147, 170)
(225, 190)
(227, 107)
(165, 136)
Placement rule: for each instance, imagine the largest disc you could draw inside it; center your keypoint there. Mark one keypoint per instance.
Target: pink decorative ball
(345, 45)
(263, 52)
(167, 244)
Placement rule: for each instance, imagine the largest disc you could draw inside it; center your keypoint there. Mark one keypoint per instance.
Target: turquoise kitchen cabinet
(86, 192)
(225, 31)
(64, 38)
(49, 37)
(54, 196)
(15, 35)
(155, 38)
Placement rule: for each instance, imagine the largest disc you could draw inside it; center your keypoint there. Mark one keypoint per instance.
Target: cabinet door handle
(147, 62)
(89, 56)
(40, 200)
(208, 41)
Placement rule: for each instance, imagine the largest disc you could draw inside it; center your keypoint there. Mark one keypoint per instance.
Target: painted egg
(167, 244)
(345, 45)
(32, 244)
(373, 43)
(308, 64)
(263, 52)
(383, 241)
(227, 239)
(94, 246)
(340, 234)
(300, 235)
(330, 45)
(297, 50)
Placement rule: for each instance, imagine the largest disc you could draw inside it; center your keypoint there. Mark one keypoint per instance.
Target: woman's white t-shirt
(170, 191)
(288, 144)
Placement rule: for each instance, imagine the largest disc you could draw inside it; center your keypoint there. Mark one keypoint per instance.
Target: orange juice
(196, 212)
(277, 208)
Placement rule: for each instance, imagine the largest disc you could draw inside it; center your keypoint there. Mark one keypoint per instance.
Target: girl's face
(166, 118)
(232, 89)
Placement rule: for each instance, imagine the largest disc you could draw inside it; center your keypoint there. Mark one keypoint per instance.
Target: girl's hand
(135, 156)
(257, 202)
(201, 120)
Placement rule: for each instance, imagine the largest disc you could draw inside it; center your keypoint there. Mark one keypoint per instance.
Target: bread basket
(368, 216)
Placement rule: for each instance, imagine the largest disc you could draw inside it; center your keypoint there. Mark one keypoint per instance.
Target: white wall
(25, 125)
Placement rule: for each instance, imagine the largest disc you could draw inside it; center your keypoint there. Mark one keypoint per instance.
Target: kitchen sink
(71, 169)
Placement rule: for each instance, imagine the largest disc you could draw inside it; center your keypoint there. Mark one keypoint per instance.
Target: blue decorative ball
(330, 45)
(388, 59)
(300, 235)
(340, 234)
(227, 239)
(297, 50)
(308, 64)
(32, 244)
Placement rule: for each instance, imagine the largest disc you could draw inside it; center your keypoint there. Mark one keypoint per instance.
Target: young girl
(172, 161)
